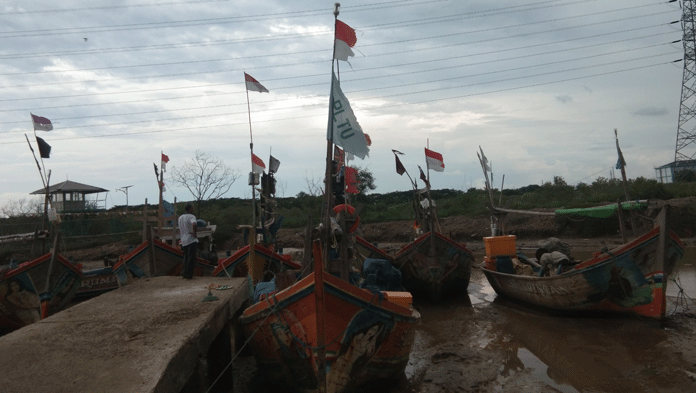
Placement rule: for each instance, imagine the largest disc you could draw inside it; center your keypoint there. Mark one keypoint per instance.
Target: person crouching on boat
(551, 262)
(188, 228)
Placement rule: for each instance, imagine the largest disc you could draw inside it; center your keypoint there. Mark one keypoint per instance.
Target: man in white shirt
(188, 229)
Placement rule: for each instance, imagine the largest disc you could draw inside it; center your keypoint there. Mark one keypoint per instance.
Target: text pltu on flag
(254, 85)
(345, 40)
(41, 123)
(344, 129)
(257, 164)
(434, 160)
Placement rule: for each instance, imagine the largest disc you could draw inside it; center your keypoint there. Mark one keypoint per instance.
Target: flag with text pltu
(41, 123)
(345, 40)
(44, 148)
(434, 160)
(344, 129)
(257, 164)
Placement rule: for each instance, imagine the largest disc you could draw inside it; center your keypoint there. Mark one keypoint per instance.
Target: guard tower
(685, 151)
(71, 197)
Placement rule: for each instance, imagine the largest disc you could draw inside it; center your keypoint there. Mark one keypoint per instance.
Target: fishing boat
(322, 332)
(155, 258)
(432, 265)
(96, 282)
(631, 278)
(366, 335)
(34, 290)
(268, 261)
(435, 265)
(628, 279)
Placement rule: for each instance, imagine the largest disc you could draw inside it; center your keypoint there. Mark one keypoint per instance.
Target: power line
(190, 22)
(243, 123)
(375, 77)
(284, 65)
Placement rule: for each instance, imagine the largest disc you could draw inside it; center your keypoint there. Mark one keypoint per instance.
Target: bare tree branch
(313, 186)
(205, 177)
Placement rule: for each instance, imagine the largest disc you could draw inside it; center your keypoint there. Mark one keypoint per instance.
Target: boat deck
(154, 335)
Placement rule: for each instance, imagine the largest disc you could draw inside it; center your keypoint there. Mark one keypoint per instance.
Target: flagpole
(252, 231)
(318, 264)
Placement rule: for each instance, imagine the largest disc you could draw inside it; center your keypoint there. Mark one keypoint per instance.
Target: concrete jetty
(154, 335)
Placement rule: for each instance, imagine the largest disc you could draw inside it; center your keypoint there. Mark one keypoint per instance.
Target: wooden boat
(96, 282)
(368, 250)
(155, 258)
(366, 335)
(435, 265)
(631, 278)
(269, 262)
(432, 265)
(37, 289)
(323, 333)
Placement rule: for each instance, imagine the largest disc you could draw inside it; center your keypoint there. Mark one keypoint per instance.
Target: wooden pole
(320, 315)
(47, 287)
(619, 212)
(174, 225)
(663, 248)
(150, 251)
(145, 222)
(624, 181)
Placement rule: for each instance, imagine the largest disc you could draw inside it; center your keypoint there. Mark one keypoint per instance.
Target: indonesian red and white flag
(41, 123)
(254, 85)
(257, 165)
(434, 160)
(165, 160)
(345, 40)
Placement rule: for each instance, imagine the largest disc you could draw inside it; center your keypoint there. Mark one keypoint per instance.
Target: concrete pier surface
(148, 336)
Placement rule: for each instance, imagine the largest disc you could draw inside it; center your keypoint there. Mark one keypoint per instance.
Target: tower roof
(69, 186)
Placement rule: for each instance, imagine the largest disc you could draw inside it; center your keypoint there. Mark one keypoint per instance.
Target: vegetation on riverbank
(92, 229)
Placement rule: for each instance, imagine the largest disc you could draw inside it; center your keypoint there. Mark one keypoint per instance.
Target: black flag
(156, 170)
(399, 166)
(44, 148)
(422, 176)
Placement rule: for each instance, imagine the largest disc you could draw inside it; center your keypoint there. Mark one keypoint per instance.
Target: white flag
(346, 130)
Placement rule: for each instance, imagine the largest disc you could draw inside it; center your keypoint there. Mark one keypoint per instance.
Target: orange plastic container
(401, 298)
(500, 245)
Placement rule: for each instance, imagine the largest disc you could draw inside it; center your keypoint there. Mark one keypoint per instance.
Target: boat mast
(252, 181)
(325, 234)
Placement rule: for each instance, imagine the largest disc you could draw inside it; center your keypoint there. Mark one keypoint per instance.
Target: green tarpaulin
(604, 211)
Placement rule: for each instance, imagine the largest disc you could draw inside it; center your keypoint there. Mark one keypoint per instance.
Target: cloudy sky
(540, 85)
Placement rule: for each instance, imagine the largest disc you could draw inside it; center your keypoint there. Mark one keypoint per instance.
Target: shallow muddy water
(486, 344)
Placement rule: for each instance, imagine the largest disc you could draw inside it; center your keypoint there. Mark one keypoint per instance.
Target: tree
(22, 207)
(366, 181)
(205, 177)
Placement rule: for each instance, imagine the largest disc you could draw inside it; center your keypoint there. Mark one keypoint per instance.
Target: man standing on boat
(188, 230)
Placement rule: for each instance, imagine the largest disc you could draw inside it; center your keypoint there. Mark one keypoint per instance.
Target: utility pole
(125, 191)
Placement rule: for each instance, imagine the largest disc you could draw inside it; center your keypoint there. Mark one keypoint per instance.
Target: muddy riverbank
(486, 344)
